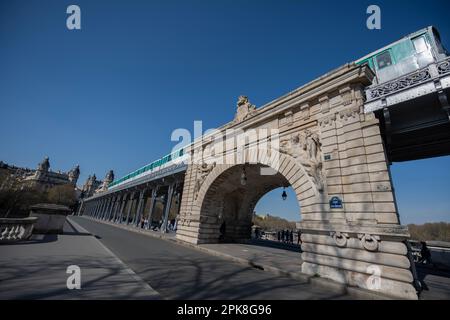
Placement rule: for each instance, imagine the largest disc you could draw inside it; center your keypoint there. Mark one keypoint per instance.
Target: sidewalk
(261, 255)
(36, 269)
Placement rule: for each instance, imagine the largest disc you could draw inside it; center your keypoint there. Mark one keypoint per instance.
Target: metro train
(155, 165)
(410, 53)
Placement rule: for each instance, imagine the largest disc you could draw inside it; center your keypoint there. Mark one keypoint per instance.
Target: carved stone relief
(305, 147)
(340, 238)
(202, 172)
(369, 242)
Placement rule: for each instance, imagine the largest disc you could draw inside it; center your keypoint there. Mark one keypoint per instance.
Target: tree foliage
(438, 231)
(16, 202)
(272, 223)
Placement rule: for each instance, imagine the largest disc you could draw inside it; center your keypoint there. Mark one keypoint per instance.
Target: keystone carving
(202, 172)
(244, 109)
(305, 147)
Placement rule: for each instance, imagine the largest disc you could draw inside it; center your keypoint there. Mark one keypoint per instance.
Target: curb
(354, 292)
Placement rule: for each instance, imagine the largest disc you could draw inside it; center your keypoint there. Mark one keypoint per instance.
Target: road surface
(179, 272)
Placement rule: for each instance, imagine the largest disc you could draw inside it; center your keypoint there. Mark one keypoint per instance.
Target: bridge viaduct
(336, 137)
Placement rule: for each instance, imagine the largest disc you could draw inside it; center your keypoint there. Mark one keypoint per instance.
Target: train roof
(409, 36)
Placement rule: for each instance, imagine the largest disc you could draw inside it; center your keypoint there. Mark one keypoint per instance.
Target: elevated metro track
(414, 113)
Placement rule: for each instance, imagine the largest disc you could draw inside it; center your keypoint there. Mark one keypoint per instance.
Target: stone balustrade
(16, 229)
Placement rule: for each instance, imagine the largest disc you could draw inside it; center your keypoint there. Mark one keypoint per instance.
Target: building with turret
(92, 185)
(42, 177)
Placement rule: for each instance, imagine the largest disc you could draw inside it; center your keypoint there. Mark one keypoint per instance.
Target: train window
(420, 44)
(384, 60)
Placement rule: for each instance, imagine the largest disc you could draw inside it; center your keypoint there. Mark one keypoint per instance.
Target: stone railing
(16, 229)
(51, 217)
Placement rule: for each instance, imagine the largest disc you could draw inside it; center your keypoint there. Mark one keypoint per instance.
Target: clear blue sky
(109, 96)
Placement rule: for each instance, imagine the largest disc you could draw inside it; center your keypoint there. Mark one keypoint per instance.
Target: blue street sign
(335, 203)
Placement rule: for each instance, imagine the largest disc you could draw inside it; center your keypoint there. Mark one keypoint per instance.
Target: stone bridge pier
(332, 154)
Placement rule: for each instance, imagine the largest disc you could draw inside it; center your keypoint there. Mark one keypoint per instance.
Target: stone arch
(219, 191)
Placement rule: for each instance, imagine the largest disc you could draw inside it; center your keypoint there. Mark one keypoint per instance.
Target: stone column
(167, 206)
(108, 208)
(117, 207)
(140, 208)
(112, 208)
(102, 208)
(130, 208)
(122, 207)
(152, 205)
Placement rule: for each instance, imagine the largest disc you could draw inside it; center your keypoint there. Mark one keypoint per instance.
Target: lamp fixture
(284, 194)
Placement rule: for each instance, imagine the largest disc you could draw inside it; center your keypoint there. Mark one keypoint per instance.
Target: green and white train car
(413, 52)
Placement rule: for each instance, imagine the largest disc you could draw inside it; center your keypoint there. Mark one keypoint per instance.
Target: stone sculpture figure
(305, 148)
(202, 172)
(244, 109)
(44, 165)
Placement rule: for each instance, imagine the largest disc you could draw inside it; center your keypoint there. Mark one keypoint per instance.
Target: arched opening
(276, 216)
(228, 205)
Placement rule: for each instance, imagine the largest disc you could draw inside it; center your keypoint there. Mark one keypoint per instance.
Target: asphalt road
(178, 272)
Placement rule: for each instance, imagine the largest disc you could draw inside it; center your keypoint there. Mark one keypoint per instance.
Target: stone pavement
(36, 269)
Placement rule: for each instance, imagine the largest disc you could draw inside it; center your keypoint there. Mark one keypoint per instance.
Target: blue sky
(109, 96)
